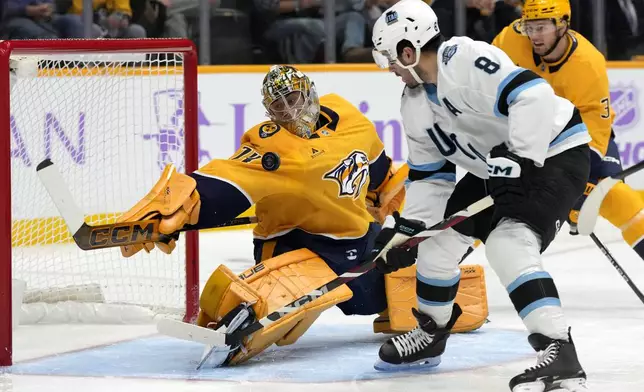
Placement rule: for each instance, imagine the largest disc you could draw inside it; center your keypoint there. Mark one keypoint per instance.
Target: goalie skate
(216, 352)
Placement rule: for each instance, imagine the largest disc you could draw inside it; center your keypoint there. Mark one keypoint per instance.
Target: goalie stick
(90, 237)
(589, 211)
(214, 338)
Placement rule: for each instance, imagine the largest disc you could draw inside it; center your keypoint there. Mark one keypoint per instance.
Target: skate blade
(569, 385)
(213, 357)
(427, 363)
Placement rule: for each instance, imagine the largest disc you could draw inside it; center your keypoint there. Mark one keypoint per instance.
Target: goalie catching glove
(173, 200)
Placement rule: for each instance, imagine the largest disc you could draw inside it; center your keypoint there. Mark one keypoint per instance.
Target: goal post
(110, 114)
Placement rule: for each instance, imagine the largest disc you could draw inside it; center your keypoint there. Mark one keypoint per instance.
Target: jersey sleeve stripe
(221, 200)
(517, 81)
(579, 128)
(227, 181)
(446, 172)
(378, 170)
(513, 95)
(427, 167)
(575, 126)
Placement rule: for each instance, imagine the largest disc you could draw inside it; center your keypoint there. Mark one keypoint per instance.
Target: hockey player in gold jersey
(542, 41)
(312, 171)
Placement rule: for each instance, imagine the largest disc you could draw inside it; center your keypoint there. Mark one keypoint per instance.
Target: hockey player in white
(465, 103)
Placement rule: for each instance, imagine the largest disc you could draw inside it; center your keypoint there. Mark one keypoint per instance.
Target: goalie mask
(290, 100)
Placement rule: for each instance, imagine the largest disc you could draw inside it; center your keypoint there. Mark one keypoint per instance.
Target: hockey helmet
(556, 10)
(410, 20)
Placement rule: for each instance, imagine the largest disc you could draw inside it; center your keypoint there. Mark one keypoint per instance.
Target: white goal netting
(109, 122)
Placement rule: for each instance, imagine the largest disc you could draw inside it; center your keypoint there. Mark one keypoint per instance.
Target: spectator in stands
(159, 19)
(624, 26)
(114, 16)
(292, 28)
(625, 33)
(351, 29)
(38, 19)
(484, 19)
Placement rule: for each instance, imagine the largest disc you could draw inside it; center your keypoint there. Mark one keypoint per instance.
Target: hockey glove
(597, 165)
(396, 258)
(505, 170)
(574, 213)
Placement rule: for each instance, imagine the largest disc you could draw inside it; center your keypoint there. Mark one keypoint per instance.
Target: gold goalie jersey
(569, 77)
(318, 185)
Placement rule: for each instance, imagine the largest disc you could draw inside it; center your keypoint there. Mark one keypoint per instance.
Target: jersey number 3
(606, 103)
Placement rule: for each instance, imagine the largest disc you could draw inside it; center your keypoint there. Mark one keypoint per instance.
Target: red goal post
(110, 114)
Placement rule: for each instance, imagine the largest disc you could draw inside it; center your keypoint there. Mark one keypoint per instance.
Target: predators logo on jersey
(351, 174)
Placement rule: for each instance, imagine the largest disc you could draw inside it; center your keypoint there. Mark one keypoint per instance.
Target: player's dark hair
(431, 45)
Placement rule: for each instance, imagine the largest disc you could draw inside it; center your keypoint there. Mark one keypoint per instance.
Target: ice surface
(337, 354)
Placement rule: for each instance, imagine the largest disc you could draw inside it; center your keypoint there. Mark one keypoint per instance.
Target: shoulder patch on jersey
(391, 17)
(350, 174)
(449, 52)
(268, 129)
(516, 26)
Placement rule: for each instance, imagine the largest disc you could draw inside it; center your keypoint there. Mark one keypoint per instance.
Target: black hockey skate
(421, 347)
(557, 368)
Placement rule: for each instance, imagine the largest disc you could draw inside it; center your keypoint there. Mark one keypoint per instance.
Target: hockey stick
(589, 211)
(220, 339)
(619, 269)
(89, 237)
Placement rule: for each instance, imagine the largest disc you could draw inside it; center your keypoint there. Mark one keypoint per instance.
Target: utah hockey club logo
(448, 53)
(351, 174)
(623, 100)
(391, 17)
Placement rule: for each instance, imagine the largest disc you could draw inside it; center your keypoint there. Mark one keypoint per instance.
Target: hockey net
(110, 114)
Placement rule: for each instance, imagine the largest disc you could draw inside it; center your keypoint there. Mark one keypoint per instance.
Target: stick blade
(589, 211)
(191, 332)
(60, 195)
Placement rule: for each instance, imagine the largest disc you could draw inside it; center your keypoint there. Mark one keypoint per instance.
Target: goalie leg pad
(401, 298)
(268, 286)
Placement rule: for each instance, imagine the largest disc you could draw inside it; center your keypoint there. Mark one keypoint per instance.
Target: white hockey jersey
(481, 99)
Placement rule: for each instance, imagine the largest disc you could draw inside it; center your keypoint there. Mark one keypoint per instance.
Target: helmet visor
(383, 59)
(537, 28)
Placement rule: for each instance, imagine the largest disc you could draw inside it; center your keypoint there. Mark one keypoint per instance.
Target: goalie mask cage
(110, 114)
